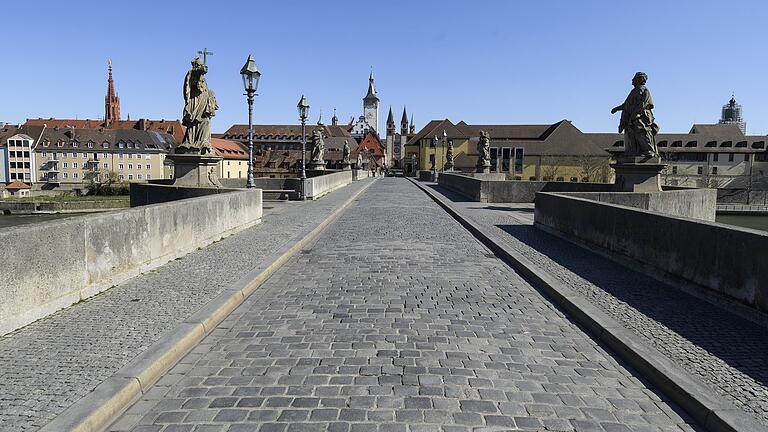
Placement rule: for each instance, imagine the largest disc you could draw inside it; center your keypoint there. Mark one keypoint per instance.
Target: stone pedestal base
(316, 165)
(346, 166)
(195, 170)
(484, 169)
(638, 174)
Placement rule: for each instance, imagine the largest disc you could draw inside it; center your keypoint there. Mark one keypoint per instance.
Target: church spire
(111, 101)
(390, 118)
(413, 126)
(404, 123)
(334, 119)
(371, 90)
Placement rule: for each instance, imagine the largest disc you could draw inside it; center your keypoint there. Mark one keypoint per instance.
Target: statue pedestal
(638, 174)
(484, 169)
(317, 165)
(195, 170)
(346, 166)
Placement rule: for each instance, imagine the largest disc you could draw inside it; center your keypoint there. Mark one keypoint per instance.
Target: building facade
(235, 158)
(551, 152)
(71, 156)
(396, 142)
(369, 121)
(709, 155)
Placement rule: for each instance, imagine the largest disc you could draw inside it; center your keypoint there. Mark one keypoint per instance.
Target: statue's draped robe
(200, 106)
(637, 123)
(318, 152)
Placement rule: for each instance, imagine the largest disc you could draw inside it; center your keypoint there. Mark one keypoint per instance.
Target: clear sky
(478, 61)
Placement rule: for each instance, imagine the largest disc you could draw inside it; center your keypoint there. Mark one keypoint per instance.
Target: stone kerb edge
(713, 412)
(99, 409)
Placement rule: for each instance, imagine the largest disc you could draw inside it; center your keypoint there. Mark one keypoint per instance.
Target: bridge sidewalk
(49, 365)
(727, 353)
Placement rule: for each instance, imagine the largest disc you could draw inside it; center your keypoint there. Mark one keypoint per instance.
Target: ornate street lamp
(442, 155)
(303, 107)
(251, 74)
(434, 159)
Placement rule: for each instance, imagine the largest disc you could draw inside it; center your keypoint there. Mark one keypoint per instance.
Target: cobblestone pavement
(397, 319)
(729, 353)
(48, 365)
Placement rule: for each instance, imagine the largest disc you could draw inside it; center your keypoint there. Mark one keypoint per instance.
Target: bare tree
(595, 169)
(550, 168)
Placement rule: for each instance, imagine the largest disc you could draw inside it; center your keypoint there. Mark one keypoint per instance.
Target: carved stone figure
(359, 161)
(449, 157)
(318, 149)
(345, 153)
(484, 152)
(199, 106)
(637, 120)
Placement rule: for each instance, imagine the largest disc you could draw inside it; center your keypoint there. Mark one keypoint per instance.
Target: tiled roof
(172, 127)
(282, 132)
(709, 138)
(132, 139)
(16, 185)
(229, 149)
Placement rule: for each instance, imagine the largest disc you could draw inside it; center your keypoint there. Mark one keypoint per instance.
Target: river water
(14, 220)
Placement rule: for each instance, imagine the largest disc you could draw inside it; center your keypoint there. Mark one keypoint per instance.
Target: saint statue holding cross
(199, 106)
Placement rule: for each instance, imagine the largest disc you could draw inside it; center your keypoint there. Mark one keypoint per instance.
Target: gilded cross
(205, 53)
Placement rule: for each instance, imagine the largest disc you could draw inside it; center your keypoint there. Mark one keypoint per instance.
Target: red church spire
(112, 101)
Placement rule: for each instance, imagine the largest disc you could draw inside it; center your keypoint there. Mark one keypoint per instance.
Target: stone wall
(156, 193)
(690, 203)
(511, 191)
(316, 187)
(722, 258)
(55, 264)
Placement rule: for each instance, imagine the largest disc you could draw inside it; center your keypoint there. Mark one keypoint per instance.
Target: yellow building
(552, 152)
(69, 156)
(235, 154)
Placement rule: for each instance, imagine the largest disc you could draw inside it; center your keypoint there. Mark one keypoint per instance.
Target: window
(45, 154)
(66, 175)
(147, 166)
(130, 166)
(45, 143)
(59, 144)
(730, 157)
(26, 154)
(105, 165)
(120, 166)
(120, 177)
(229, 174)
(715, 157)
(120, 155)
(90, 145)
(494, 159)
(518, 160)
(74, 164)
(506, 154)
(65, 165)
(714, 170)
(85, 155)
(138, 166)
(74, 175)
(148, 177)
(674, 170)
(130, 176)
(130, 156)
(228, 163)
(138, 176)
(74, 145)
(700, 170)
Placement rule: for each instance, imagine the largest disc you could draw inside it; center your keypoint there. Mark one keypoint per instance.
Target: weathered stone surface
(58, 263)
(49, 364)
(722, 349)
(427, 333)
(726, 259)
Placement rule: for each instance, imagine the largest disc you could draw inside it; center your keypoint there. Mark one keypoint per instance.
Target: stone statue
(637, 121)
(449, 157)
(345, 153)
(359, 161)
(318, 149)
(484, 153)
(199, 106)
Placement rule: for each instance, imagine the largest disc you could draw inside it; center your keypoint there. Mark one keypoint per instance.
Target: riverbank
(62, 204)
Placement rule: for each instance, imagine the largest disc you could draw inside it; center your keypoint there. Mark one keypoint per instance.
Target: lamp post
(303, 107)
(250, 73)
(434, 159)
(442, 155)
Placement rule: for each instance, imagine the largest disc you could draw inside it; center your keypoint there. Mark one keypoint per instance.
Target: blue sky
(478, 61)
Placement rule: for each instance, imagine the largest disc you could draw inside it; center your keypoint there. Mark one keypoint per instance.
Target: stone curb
(104, 404)
(714, 413)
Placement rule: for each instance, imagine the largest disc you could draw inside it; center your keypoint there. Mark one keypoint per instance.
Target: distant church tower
(390, 124)
(732, 115)
(111, 101)
(404, 123)
(371, 105)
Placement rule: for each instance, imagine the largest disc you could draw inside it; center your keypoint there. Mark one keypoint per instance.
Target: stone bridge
(389, 305)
